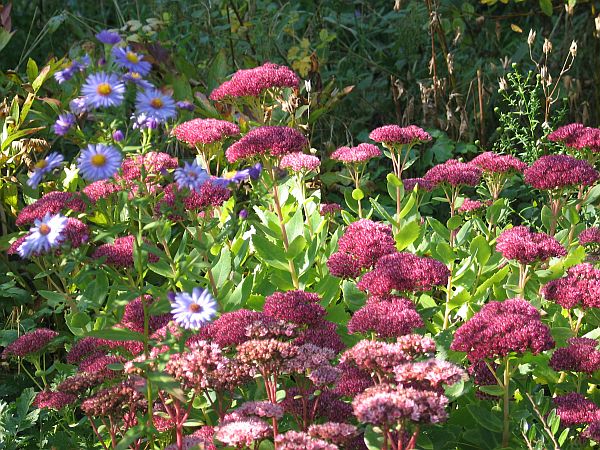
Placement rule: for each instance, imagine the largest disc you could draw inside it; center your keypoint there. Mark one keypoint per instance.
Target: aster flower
(142, 121)
(356, 155)
(294, 306)
(64, 123)
(205, 131)
(29, 343)
(191, 176)
(137, 79)
(195, 309)
(120, 252)
(53, 400)
(185, 105)
(404, 272)
(50, 203)
(237, 176)
(300, 162)
(130, 60)
(102, 90)
(500, 328)
(154, 104)
(108, 37)
(386, 319)
(252, 82)
(76, 233)
(64, 75)
(393, 134)
(527, 247)
(271, 140)
(580, 287)
(46, 233)
(560, 171)
(43, 167)
(99, 161)
(78, 106)
(118, 136)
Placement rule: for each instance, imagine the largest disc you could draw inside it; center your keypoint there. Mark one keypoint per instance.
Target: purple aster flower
(128, 59)
(118, 136)
(102, 90)
(191, 176)
(46, 165)
(137, 79)
(243, 214)
(99, 161)
(195, 309)
(67, 73)
(188, 106)
(77, 105)
(156, 105)
(44, 235)
(108, 37)
(64, 123)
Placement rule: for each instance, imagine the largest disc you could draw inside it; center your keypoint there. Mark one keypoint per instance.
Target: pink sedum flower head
(329, 208)
(421, 184)
(102, 90)
(560, 171)
(496, 163)
(472, 206)
(29, 343)
(404, 272)
(592, 432)
(50, 203)
(252, 82)
(566, 133)
(338, 433)
(294, 306)
(267, 140)
(48, 164)
(576, 136)
(153, 164)
(99, 162)
(431, 374)
(527, 247)
(46, 234)
(454, 173)
(356, 155)
(120, 252)
(574, 409)
(53, 400)
(580, 287)
(590, 236)
(501, 328)
(192, 311)
(296, 440)
(300, 162)
(205, 131)
(387, 319)
(581, 355)
(394, 134)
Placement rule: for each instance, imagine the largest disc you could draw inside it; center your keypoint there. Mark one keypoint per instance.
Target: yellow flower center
(98, 160)
(104, 89)
(229, 174)
(135, 75)
(44, 229)
(41, 164)
(132, 57)
(156, 103)
(194, 307)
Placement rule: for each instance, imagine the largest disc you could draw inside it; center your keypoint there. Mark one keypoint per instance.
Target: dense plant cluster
(179, 279)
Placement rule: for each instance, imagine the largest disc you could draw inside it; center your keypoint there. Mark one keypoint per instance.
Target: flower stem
(506, 385)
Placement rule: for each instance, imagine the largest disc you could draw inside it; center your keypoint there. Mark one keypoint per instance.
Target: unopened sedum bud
(573, 49)
(531, 37)
(547, 46)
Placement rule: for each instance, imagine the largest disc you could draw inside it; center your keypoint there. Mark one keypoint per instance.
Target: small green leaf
(407, 234)
(492, 390)
(546, 6)
(481, 249)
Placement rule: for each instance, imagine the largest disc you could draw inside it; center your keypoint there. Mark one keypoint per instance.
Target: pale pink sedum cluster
(205, 131)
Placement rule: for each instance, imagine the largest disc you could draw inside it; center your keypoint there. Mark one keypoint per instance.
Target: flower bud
(547, 48)
(573, 49)
(531, 37)
(118, 136)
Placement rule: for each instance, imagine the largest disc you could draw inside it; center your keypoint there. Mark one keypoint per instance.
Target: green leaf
(481, 249)
(492, 390)
(32, 69)
(454, 222)
(79, 320)
(167, 383)
(237, 299)
(353, 297)
(55, 298)
(485, 417)
(498, 276)
(358, 194)
(439, 228)
(222, 268)
(444, 253)
(592, 195)
(546, 6)
(394, 180)
(296, 247)
(117, 334)
(270, 253)
(162, 268)
(407, 234)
